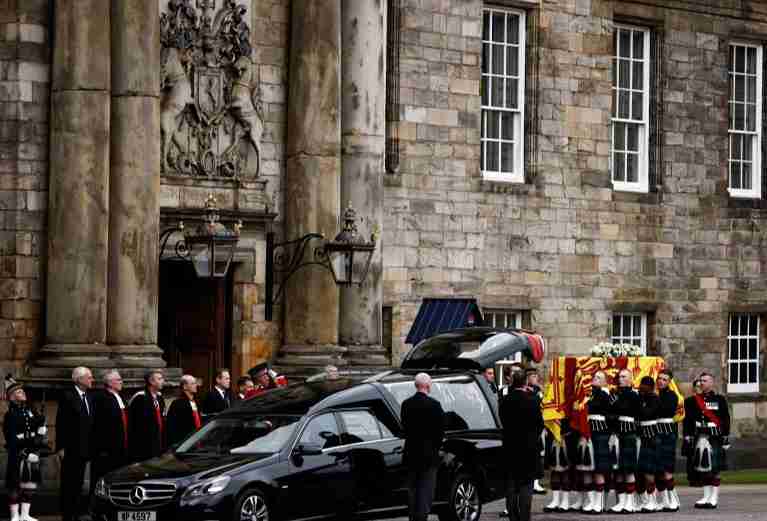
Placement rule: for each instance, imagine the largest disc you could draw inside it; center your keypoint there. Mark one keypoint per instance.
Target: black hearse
(331, 447)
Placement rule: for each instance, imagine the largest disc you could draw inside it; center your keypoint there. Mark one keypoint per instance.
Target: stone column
(313, 164)
(363, 126)
(134, 208)
(79, 185)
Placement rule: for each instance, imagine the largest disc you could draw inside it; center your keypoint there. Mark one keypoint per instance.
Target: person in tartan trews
(666, 442)
(712, 431)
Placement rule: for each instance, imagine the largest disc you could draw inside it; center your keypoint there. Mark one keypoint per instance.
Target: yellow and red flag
(569, 387)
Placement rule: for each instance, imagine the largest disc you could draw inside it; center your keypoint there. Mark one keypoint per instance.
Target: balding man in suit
(423, 422)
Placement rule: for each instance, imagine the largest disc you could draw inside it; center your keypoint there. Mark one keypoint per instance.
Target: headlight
(101, 488)
(207, 488)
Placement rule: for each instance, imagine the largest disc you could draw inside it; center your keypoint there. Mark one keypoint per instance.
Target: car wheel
(252, 505)
(464, 502)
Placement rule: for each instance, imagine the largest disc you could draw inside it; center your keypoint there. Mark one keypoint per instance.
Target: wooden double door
(195, 320)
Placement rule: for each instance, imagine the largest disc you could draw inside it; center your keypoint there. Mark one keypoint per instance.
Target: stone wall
(564, 245)
(24, 110)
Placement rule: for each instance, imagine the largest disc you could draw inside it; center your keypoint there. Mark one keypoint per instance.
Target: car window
(462, 400)
(255, 435)
(323, 431)
(362, 426)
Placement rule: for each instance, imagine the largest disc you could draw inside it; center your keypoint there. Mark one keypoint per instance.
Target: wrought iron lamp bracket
(285, 259)
(180, 249)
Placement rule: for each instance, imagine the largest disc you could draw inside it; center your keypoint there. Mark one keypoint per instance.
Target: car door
(371, 447)
(318, 481)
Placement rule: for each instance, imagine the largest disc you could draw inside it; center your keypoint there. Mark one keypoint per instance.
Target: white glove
(33, 458)
(42, 431)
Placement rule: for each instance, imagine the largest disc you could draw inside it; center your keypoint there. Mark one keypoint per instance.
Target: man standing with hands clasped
(423, 421)
(522, 425)
(74, 421)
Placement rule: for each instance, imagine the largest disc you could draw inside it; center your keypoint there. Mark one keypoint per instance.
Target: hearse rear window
(464, 404)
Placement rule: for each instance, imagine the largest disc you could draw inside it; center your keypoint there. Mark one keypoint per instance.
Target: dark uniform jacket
(648, 412)
(522, 425)
(214, 403)
(74, 424)
(423, 422)
(626, 403)
(109, 435)
(688, 424)
(20, 428)
(181, 419)
(668, 402)
(146, 435)
(716, 406)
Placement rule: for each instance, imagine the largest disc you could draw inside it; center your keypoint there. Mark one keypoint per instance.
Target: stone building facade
(537, 221)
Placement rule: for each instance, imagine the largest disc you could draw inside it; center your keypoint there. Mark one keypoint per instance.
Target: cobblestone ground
(736, 503)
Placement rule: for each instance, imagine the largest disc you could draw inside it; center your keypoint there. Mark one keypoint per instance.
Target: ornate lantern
(349, 254)
(210, 246)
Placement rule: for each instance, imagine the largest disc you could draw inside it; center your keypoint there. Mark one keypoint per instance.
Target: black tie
(85, 405)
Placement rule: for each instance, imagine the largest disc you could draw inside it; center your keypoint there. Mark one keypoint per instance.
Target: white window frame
(748, 387)
(643, 182)
(518, 174)
(755, 192)
(623, 338)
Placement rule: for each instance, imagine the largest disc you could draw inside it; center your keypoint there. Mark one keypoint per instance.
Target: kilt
(711, 459)
(648, 456)
(665, 446)
(601, 452)
(628, 458)
(557, 456)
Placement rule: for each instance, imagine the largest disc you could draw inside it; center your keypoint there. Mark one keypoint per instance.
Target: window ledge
(744, 194)
(633, 188)
(736, 397)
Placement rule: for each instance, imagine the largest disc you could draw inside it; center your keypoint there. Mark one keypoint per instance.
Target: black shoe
(505, 513)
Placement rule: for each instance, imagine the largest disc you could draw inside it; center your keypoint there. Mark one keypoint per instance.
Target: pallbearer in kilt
(559, 460)
(666, 442)
(712, 426)
(625, 411)
(648, 448)
(593, 455)
(688, 435)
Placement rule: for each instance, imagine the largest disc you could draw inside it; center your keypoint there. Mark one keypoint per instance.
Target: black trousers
(519, 499)
(421, 483)
(72, 479)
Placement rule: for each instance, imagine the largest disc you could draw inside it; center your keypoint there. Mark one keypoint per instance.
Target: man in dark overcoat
(110, 428)
(220, 397)
(74, 426)
(183, 414)
(423, 422)
(522, 425)
(146, 419)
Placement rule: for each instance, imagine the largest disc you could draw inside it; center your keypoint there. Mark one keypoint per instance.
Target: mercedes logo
(137, 495)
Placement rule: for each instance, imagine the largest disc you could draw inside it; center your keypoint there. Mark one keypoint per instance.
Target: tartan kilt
(648, 456)
(628, 458)
(714, 459)
(665, 446)
(557, 456)
(601, 452)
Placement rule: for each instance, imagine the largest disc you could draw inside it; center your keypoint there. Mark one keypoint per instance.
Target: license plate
(141, 515)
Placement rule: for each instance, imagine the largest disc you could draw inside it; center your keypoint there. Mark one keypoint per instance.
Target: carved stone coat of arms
(211, 114)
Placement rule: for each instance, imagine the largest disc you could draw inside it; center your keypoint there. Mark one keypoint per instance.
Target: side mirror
(308, 449)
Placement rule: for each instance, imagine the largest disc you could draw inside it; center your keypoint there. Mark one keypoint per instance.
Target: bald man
(423, 421)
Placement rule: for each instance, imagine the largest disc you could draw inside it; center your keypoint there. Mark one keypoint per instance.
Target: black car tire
(252, 500)
(464, 502)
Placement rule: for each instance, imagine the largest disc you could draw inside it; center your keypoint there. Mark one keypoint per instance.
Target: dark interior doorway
(195, 320)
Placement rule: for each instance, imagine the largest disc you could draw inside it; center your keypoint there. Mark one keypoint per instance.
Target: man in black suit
(423, 421)
(74, 422)
(220, 397)
(183, 415)
(146, 419)
(110, 428)
(522, 425)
